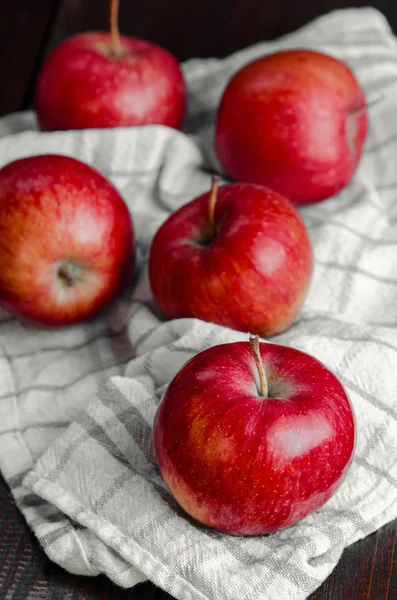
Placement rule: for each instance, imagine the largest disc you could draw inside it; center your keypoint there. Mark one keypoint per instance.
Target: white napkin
(77, 405)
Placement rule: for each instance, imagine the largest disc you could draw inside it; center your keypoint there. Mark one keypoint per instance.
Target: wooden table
(28, 30)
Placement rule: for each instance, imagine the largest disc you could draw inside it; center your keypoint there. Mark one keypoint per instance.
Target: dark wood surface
(194, 28)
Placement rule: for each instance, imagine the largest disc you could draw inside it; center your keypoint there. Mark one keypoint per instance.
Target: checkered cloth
(77, 405)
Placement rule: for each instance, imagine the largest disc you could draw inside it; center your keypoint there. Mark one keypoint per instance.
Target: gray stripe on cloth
(141, 432)
(53, 536)
(113, 489)
(91, 430)
(386, 186)
(389, 324)
(356, 271)
(119, 564)
(97, 432)
(327, 317)
(376, 470)
(16, 480)
(128, 172)
(48, 425)
(133, 421)
(373, 86)
(157, 191)
(344, 204)
(347, 283)
(59, 388)
(182, 349)
(334, 535)
(356, 520)
(381, 145)
(375, 436)
(148, 362)
(358, 339)
(148, 368)
(144, 336)
(55, 516)
(300, 578)
(207, 340)
(368, 397)
(104, 335)
(169, 327)
(66, 456)
(366, 238)
(160, 518)
(31, 501)
(143, 440)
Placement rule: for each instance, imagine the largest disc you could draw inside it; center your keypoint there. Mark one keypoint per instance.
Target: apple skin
(295, 121)
(66, 240)
(81, 85)
(253, 276)
(249, 465)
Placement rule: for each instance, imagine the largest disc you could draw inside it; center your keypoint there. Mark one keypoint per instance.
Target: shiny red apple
(252, 440)
(239, 257)
(294, 121)
(66, 240)
(100, 79)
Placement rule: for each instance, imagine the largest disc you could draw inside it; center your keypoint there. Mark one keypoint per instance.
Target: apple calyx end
(263, 387)
(69, 273)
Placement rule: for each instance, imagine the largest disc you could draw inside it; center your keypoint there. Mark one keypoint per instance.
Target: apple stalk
(211, 206)
(69, 273)
(263, 388)
(114, 29)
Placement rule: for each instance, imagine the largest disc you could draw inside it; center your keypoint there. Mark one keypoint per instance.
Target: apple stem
(254, 341)
(114, 28)
(211, 204)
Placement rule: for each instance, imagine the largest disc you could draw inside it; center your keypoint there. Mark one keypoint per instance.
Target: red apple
(100, 79)
(294, 121)
(66, 240)
(250, 455)
(244, 262)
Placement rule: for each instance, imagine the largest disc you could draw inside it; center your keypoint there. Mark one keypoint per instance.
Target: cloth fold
(77, 405)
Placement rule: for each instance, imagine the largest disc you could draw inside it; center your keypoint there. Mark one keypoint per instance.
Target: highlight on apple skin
(249, 454)
(66, 240)
(239, 256)
(294, 121)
